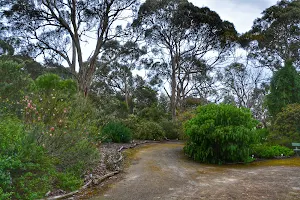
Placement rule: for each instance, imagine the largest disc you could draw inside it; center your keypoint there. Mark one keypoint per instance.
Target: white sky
(241, 13)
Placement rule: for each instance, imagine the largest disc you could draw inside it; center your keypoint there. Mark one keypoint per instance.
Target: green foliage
(67, 181)
(265, 151)
(63, 127)
(149, 130)
(30, 67)
(182, 118)
(25, 169)
(171, 128)
(13, 81)
(262, 134)
(286, 128)
(284, 89)
(220, 133)
(131, 122)
(153, 113)
(276, 34)
(116, 132)
(49, 82)
(51, 144)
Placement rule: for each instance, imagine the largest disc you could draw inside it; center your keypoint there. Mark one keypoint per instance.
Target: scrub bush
(149, 130)
(220, 134)
(265, 151)
(286, 128)
(116, 132)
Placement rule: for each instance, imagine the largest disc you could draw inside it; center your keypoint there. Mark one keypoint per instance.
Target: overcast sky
(241, 13)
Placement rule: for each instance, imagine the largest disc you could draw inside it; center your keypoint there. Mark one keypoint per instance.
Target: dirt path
(160, 171)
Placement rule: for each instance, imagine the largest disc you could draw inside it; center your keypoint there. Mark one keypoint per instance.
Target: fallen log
(83, 187)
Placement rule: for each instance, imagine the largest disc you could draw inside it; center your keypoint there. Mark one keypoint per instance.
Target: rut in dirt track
(161, 171)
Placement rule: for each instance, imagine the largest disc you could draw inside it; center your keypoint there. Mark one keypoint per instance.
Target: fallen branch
(82, 188)
(121, 148)
(119, 160)
(97, 181)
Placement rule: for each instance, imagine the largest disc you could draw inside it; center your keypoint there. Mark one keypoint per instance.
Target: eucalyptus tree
(59, 29)
(246, 86)
(275, 37)
(185, 34)
(114, 72)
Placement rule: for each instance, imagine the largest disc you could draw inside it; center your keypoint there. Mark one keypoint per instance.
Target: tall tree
(59, 29)
(242, 82)
(114, 73)
(284, 89)
(185, 34)
(246, 86)
(276, 35)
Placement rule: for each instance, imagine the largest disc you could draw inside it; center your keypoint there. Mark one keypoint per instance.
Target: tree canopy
(276, 35)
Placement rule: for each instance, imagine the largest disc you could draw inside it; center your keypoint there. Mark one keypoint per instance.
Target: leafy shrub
(171, 128)
(13, 81)
(220, 133)
(131, 122)
(149, 130)
(116, 132)
(49, 82)
(153, 113)
(262, 134)
(25, 169)
(64, 129)
(67, 181)
(286, 128)
(265, 151)
(182, 118)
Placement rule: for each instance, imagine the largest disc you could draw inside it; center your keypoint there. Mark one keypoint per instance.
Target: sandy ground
(161, 171)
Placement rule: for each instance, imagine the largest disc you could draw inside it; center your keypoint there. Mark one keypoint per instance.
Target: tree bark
(173, 88)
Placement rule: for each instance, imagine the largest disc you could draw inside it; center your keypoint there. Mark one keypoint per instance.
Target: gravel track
(161, 171)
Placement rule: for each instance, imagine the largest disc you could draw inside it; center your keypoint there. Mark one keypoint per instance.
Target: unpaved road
(160, 171)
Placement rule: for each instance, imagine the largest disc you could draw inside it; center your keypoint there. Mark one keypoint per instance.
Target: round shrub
(220, 134)
(286, 128)
(116, 132)
(149, 130)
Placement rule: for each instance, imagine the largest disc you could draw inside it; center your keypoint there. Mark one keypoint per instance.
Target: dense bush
(265, 151)
(25, 169)
(51, 144)
(48, 82)
(286, 128)
(182, 118)
(220, 134)
(149, 130)
(62, 128)
(153, 113)
(13, 81)
(116, 132)
(67, 181)
(171, 128)
(262, 134)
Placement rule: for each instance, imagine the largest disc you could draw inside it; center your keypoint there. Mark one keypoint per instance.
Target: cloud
(241, 13)
(259, 4)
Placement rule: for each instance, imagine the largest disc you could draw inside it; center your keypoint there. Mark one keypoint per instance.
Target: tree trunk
(173, 89)
(86, 77)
